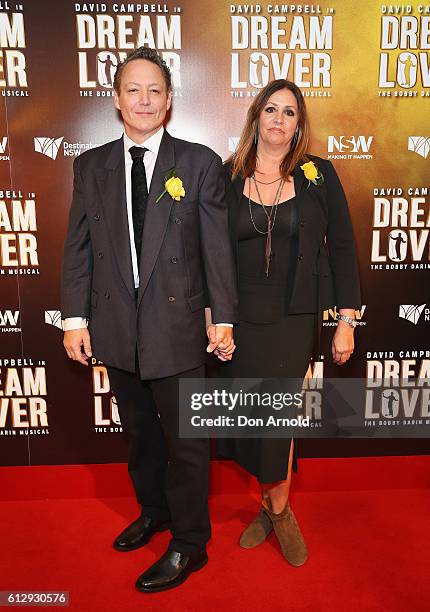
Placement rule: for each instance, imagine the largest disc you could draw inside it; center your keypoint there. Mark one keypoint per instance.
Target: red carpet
(365, 521)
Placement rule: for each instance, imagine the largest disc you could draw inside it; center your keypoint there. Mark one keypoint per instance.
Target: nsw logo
(9, 320)
(353, 145)
(3, 147)
(411, 312)
(419, 145)
(47, 146)
(330, 317)
(53, 317)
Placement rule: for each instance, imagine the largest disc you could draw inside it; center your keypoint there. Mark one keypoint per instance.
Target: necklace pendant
(268, 247)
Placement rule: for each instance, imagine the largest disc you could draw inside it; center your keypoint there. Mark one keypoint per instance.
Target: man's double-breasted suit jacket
(186, 261)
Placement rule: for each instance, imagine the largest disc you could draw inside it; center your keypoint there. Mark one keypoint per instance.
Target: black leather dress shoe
(170, 571)
(139, 533)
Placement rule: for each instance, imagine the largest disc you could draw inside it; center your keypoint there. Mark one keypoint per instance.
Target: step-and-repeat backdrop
(364, 68)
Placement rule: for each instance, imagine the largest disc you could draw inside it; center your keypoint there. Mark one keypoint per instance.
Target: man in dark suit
(142, 259)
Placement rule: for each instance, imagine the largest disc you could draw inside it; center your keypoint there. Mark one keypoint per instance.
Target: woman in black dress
(295, 257)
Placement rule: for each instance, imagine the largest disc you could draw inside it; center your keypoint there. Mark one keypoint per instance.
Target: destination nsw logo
(52, 146)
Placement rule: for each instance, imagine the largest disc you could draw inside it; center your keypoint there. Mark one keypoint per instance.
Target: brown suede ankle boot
(288, 533)
(257, 531)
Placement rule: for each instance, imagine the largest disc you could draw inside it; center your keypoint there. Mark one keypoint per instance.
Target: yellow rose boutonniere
(312, 173)
(173, 186)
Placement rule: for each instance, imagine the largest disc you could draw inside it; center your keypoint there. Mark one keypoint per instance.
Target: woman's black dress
(270, 342)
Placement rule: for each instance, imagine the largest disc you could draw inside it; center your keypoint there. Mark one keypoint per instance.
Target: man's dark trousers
(170, 474)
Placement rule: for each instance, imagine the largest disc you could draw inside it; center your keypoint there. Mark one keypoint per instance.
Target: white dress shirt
(149, 159)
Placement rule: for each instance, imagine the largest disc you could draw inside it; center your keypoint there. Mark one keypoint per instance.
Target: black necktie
(139, 195)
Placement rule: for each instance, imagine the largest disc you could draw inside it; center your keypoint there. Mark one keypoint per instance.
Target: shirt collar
(152, 143)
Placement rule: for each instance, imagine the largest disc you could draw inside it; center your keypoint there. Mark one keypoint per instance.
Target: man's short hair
(145, 53)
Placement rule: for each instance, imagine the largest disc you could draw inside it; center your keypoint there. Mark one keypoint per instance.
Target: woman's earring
(295, 138)
(256, 136)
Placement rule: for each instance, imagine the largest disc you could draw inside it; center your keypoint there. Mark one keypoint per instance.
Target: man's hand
(73, 342)
(221, 341)
(342, 345)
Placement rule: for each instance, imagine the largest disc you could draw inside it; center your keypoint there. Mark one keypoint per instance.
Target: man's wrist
(72, 323)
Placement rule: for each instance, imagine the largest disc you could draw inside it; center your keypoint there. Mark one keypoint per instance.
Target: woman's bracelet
(351, 322)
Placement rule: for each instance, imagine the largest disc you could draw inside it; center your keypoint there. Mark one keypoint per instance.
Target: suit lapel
(237, 189)
(298, 177)
(157, 214)
(111, 183)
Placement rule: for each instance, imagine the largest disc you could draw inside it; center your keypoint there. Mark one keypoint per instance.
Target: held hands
(342, 345)
(221, 341)
(76, 339)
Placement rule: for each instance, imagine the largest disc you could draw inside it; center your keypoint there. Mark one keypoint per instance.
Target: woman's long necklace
(271, 217)
(269, 183)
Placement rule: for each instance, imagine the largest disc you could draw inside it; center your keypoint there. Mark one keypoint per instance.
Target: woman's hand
(224, 350)
(342, 345)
